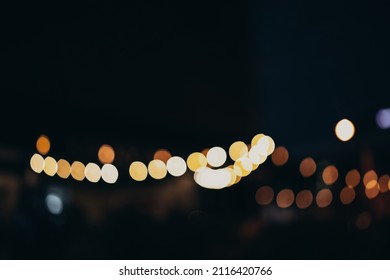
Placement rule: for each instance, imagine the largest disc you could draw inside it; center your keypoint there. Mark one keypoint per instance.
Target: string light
(109, 173)
(345, 130)
(92, 172)
(43, 144)
(50, 166)
(176, 166)
(138, 171)
(37, 163)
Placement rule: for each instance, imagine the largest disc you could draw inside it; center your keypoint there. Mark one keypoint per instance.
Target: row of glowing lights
(285, 198)
(206, 165)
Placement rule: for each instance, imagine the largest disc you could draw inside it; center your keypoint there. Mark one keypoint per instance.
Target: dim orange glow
(373, 192)
(363, 221)
(330, 175)
(37, 163)
(304, 199)
(77, 170)
(157, 169)
(43, 144)
(63, 169)
(196, 160)
(264, 195)
(280, 156)
(162, 155)
(384, 183)
(347, 195)
(237, 150)
(352, 179)
(370, 179)
(345, 130)
(307, 167)
(138, 171)
(324, 198)
(106, 154)
(285, 198)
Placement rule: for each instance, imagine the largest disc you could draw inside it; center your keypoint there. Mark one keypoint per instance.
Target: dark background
(188, 75)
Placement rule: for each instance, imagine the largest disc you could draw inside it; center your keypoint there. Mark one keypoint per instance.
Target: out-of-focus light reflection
(383, 118)
(345, 130)
(109, 173)
(304, 199)
(264, 195)
(216, 156)
(54, 204)
(330, 175)
(63, 168)
(196, 160)
(43, 144)
(162, 155)
(106, 154)
(37, 163)
(243, 167)
(176, 166)
(157, 169)
(212, 178)
(370, 179)
(285, 198)
(383, 182)
(92, 172)
(138, 171)
(324, 198)
(352, 179)
(233, 176)
(373, 192)
(307, 167)
(237, 150)
(280, 156)
(256, 139)
(77, 170)
(50, 166)
(363, 221)
(347, 195)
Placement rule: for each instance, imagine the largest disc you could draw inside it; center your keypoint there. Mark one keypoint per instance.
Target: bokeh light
(384, 182)
(157, 169)
(50, 166)
(285, 198)
(43, 144)
(324, 198)
(92, 172)
(347, 195)
(37, 163)
(383, 118)
(352, 179)
(54, 204)
(345, 130)
(109, 173)
(304, 199)
(307, 167)
(138, 171)
(363, 221)
(212, 178)
(216, 156)
(237, 149)
(77, 170)
(106, 154)
(63, 170)
(330, 175)
(264, 195)
(162, 155)
(233, 176)
(196, 160)
(372, 192)
(176, 166)
(280, 156)
(243, 167)
(256, 139)
(370, 179)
